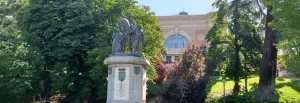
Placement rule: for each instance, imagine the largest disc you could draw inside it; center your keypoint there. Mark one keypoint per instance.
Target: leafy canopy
(286, 14)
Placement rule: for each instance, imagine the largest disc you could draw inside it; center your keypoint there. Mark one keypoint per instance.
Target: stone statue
(127, 32)
(139, 38)
(126, 79)
(117, 42)
(127, 35)
(131, 21)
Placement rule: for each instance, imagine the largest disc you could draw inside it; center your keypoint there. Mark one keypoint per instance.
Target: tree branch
(260, 8)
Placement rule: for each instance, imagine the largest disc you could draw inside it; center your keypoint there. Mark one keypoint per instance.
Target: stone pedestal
(126, 79)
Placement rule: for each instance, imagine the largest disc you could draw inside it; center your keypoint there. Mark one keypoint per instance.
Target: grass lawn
(288, 90)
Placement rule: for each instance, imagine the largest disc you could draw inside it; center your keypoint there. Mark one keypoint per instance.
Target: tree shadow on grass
(288, 98)
(295, 84)
(280, 79)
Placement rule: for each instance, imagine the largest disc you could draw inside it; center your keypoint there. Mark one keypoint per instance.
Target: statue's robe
(139, 39)
(117, 42)
(127, 32)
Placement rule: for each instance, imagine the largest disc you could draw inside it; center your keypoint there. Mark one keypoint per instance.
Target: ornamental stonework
(193, 27)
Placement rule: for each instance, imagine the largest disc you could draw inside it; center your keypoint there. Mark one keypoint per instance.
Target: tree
(61, 33)
(239, 43)
(67, 42)
(187, 83)
(286, 22)
(153, 34)
(15, 72)
(266, 87)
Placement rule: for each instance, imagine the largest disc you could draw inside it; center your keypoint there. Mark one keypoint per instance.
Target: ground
(288, 90)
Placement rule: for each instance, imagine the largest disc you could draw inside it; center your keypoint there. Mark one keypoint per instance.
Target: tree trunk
(246, 83)
(266, 87)
(237, 64)
(33, 99)
(237, 67)
(237, 61)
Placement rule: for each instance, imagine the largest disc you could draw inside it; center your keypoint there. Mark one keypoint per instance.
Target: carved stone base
(137, 54)
(126, 79)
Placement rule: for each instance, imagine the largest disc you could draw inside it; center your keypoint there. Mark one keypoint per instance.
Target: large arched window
(176, 41)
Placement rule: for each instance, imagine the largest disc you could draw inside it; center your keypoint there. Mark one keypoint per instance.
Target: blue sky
(172, 7)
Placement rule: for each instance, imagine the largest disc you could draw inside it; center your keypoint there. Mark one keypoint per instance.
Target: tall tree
(240, 18)
(15, 72)
(62, 33)
(286, 21)
(70, 39)
(266, 87)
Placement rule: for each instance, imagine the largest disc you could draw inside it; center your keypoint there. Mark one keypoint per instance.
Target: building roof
(183, 13)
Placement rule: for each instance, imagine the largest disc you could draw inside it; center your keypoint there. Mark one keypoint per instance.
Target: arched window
(176, 41)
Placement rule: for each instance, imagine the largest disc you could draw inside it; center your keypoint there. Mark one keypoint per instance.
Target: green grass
(288, 90)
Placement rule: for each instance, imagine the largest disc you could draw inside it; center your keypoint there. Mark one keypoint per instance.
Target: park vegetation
(57, 47)
(53, 50)
(236, 37)
(189, 77)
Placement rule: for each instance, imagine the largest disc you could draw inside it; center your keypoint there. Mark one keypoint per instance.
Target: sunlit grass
(288, 90)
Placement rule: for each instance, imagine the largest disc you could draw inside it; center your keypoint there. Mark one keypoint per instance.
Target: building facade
(181, 29)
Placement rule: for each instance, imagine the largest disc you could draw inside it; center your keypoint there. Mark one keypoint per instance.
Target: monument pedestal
(126, 79)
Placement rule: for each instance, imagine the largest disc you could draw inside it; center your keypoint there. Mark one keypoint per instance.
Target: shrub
(240, 99)
(161, 71)
(187, 82)
(172, 89)
(153, 89)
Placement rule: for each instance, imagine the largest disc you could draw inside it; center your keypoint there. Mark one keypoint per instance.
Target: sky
(173, 7)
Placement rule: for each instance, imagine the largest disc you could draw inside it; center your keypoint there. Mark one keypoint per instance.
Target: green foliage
(109, 12)
(8, 96)
(286, 14)
(67, 42)
(153, 89)
(287, 90)
(246, 97)
(61, 33)
(237, 50)
(14, 70)
(153, 34)
(237, 99)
